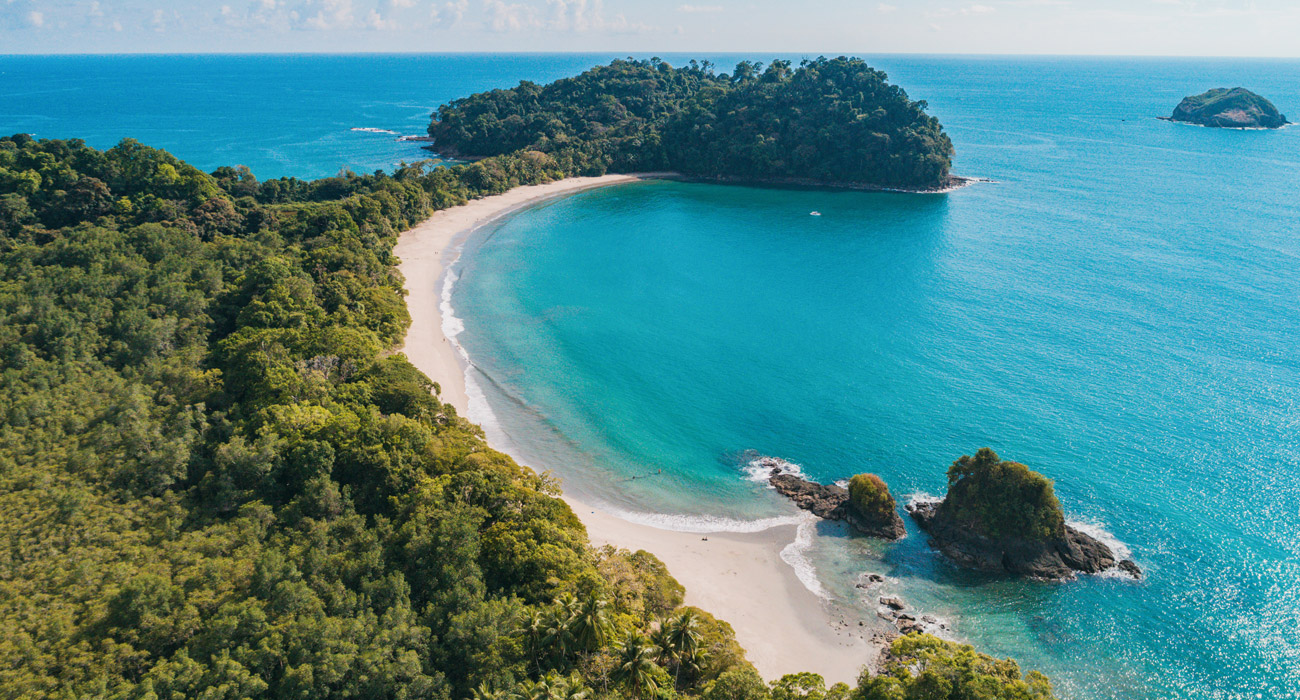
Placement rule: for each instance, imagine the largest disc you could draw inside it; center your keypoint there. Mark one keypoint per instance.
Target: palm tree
(684, 638)
(636, 664)
(662, 637)
(523, 691)
(591, 623)
(551, 686)
(558, 637)
(697, 662)
(574, 690)
(534, 630)
(484, 691)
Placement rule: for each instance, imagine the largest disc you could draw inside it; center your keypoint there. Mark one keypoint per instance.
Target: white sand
(740, 578)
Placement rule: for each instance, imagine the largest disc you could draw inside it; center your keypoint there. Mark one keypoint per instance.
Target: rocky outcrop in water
(1054, 559)
(1237, 108)
(831, 502)
(1001, 517)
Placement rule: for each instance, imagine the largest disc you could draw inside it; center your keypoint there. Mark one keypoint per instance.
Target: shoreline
(1171, 120)
(954, 183)
(738, 577)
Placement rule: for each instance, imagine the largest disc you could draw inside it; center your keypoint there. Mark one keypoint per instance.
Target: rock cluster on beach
(892, 609)
(831, 502)
(1236, 108)
(1001, 517)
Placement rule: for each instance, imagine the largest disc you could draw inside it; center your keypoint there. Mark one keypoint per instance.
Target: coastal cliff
(1236, 108)
(1001, 517)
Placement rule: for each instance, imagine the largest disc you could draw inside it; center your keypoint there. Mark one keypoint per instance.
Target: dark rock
(1130, 567)
(831, 502)
(907, 618)
(821, 500)
(869, 580)
(892, 603)
(1237, 108)
(1051, 559)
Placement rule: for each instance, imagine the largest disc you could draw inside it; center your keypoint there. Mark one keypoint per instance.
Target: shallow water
(1117, 312)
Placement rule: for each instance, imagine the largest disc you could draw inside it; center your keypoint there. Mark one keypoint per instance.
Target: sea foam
(1098, 532)
(796, 555)
(479, 410)
(701, 524)
(761, 469)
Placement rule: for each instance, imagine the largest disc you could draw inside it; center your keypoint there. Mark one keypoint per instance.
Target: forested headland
(218, 481)
(827, 121)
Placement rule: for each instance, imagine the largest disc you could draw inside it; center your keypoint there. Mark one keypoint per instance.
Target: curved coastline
(754, 580)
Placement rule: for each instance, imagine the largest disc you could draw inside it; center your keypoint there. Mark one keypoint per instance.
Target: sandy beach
(740, 578)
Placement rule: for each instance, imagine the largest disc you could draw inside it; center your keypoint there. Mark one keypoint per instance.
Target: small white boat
(814, 213)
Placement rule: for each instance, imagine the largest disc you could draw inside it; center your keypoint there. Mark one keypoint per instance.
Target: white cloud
(333, 14)
(36, 19)
(376, 21)
(700, 8)
(159, 21)
(513, 17)
(451, 14)
(95, 9)
(582, 16)
(886, 8)
(401, 4)
(968, 11)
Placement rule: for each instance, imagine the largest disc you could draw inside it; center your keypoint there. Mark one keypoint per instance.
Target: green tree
(737, 684)
(590, 625)
(999, 497)
(637, 670)
(870, 496)
(799, 686)
(928, 668)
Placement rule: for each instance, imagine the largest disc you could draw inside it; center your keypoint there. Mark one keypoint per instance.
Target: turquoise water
(1118, 311)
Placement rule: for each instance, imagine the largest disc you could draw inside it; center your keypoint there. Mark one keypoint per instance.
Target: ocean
(1117, 311)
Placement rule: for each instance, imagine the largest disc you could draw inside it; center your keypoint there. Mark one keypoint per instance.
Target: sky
(1121, 27)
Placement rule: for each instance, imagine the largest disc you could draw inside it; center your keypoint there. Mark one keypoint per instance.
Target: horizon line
(630, 53)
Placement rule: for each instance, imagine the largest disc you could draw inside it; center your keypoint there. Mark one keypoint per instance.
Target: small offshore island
(1223, 108)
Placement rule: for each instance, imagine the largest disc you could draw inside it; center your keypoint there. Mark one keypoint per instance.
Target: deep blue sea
(1118, 311)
